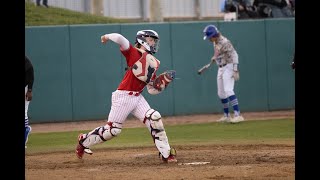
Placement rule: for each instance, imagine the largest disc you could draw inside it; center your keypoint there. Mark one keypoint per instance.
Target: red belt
(134, 93)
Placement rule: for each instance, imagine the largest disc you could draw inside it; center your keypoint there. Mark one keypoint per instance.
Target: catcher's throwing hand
(104, 39)
(236, 75)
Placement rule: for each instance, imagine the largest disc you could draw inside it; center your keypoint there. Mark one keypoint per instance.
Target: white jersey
(225, 51)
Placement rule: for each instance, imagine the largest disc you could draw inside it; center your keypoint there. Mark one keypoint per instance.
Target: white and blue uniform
(227, 61)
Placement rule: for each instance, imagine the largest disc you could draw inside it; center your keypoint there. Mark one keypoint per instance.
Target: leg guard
(158, 132)
(100, 134)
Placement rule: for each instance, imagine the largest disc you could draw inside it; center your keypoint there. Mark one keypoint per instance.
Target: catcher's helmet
(210, 31)
(141, 39)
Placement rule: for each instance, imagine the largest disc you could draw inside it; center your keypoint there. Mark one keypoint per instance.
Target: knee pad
(101, 134)
(153, 115)
(110, 130)
(155, 119)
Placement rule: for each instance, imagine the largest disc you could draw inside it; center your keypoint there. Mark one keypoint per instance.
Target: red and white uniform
(127, 98)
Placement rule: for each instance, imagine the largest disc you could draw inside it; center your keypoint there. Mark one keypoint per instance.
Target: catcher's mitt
(162, 81)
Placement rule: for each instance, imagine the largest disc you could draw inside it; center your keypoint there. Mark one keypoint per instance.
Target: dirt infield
(230, 161)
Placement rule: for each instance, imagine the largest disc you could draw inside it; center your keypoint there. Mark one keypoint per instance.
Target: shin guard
(154, 123)
(100, 134)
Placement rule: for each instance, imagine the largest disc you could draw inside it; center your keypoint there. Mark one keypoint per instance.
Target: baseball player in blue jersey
(226, 58)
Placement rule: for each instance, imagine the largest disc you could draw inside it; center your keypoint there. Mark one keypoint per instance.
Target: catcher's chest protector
(145, 67)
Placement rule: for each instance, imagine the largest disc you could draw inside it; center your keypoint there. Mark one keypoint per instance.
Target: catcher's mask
(141, 39)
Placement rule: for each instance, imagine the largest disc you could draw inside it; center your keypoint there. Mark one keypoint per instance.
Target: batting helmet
(210, 31)
(141, 39)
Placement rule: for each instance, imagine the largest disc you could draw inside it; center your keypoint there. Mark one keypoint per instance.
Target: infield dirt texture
(231, 161)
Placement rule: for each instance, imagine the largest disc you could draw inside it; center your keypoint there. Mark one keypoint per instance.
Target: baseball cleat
(171, 158)
(224, 119)
(80, 149)
(237, 119)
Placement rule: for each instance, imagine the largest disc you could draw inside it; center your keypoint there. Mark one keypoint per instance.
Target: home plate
(194, 163)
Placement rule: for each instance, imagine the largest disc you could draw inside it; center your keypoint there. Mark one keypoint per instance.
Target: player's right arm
(117, 38)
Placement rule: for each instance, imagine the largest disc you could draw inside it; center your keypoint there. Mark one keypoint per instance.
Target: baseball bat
(203, 68)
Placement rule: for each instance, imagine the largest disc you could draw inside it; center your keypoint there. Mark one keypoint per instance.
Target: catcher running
(140, 73)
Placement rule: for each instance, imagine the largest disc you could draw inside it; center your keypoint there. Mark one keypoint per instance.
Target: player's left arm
(235, 62)
(159, 83)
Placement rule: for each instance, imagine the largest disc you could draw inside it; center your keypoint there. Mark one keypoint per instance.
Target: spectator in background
(44, 2)
(274, 8)
(243, 8)
(293, 6)
(222, 5)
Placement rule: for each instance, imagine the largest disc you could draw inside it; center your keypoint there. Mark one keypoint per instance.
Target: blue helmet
(210, 31)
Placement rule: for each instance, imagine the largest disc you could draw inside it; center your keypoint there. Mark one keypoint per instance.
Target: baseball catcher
(141, 70)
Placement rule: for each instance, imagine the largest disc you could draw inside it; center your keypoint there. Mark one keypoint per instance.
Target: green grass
(42, 16)
(252, 132)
